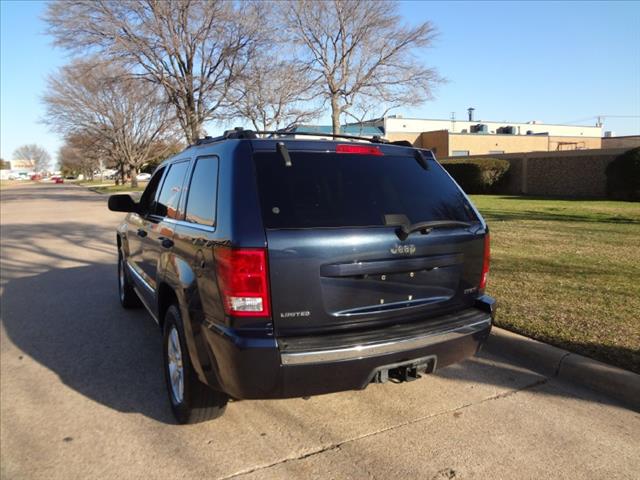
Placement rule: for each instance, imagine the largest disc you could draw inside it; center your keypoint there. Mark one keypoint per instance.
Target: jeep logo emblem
(409, 249)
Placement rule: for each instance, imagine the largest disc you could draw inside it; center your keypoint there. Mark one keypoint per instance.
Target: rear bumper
(305, 366)
(339, 353)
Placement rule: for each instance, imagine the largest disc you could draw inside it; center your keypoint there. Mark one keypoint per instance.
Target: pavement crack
(327, 448)
(338, 445)
(509, 393)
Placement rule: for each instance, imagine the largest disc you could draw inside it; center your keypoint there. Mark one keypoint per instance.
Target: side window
(149, 194)
(203, 191)
(167, 203)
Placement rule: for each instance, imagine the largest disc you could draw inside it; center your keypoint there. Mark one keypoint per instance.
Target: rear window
(340, 190)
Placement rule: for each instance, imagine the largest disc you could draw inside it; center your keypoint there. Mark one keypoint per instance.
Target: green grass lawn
(88, 183)
(567, 272)
(113, 188)
(13, 183)
(109, 186)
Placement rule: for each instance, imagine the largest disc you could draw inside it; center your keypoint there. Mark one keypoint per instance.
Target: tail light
(485, 263)
(243, 281)
(358, 149)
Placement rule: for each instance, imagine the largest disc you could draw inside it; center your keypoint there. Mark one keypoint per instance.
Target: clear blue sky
(553, 62)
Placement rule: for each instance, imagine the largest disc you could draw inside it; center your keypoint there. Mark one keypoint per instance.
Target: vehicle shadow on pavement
(70, 321)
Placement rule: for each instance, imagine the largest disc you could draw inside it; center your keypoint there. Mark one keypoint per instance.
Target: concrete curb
(559, 363)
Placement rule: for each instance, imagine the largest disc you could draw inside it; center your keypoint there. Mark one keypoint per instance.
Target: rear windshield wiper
(426, 227)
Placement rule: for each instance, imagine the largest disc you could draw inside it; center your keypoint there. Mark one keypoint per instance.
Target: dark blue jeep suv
(286, 267)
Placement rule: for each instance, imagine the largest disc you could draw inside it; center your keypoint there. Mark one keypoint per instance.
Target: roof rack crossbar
(237, 133)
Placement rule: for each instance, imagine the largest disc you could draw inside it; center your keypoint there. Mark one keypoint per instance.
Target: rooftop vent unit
(479, 128)
(508, 130)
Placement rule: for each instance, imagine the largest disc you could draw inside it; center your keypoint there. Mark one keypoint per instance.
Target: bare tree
(360, 51)
(161, 150)
(193, 49)
(84, 153)
(278, 94)
(34, 155)
(127, 116)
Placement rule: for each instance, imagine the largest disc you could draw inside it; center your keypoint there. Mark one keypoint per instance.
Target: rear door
(336, 258)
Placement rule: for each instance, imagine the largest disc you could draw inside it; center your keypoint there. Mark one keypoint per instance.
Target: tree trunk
(335, 115)
(121, 175)
(195, 132)
(133, 171)
(192, 127)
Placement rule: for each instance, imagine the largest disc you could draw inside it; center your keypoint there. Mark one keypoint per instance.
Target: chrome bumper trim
(394, 346)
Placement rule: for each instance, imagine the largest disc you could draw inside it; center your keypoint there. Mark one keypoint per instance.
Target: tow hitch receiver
(405, 371)
(404, 374)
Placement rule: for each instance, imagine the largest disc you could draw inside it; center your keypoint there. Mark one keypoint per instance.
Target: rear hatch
(337, 257)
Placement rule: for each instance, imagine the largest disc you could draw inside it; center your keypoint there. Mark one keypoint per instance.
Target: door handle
(166, 242)
(142, 233)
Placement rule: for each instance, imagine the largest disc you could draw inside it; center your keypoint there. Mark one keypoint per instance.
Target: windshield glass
(342, 190)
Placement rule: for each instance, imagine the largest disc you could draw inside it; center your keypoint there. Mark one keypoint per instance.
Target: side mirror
(122, 203)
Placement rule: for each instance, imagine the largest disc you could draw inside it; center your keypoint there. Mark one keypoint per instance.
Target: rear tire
(126, 293)
(191, 400)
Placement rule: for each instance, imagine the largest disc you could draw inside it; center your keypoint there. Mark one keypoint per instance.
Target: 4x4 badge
(409, 249)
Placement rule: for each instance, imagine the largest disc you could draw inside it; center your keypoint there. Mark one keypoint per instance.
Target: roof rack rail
(374, 139)
(241, 133)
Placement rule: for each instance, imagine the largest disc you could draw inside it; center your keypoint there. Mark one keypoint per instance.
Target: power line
(599, 118)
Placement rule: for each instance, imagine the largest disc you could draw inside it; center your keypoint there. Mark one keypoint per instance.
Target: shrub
(478, 175)
(623, 176)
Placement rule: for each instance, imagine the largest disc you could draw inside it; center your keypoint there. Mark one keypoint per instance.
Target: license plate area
(406, 371)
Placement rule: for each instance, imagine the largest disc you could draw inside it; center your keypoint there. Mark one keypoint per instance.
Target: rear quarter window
(334, 190)
(203, 191)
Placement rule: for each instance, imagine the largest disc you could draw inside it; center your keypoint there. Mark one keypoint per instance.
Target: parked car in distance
(143, 177)
(108, 174)
(20, 176)
(280, 267)
(56, 179)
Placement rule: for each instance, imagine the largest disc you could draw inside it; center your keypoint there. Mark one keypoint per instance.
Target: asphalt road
(82, 393)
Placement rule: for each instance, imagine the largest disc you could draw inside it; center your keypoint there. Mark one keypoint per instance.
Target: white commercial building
(394, 124)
